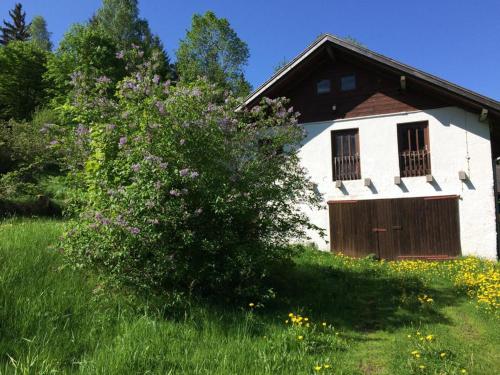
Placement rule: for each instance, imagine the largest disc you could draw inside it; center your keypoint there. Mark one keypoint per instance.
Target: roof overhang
(410, 74)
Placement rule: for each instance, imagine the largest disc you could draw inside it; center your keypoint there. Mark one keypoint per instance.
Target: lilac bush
(177, 189)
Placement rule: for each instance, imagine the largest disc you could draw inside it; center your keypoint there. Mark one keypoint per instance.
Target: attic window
(323, 86)
(348, 83)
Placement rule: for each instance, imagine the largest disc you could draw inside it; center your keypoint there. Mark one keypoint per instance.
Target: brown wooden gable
(379, 89)
(376, 92)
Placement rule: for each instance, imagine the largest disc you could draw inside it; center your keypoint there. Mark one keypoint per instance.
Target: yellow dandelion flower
(306, 319)
(286, 321)
(290, 315)
(414, 352)
(463, 371)
(429, 337)
(323, 324)
(409, 336)
(317, 368)
(300, 337)
(251, 304)
(421, 366)
(327, 366)
(417, 355)
(442, 355)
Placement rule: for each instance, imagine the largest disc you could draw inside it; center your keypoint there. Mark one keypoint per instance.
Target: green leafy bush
(179, 190)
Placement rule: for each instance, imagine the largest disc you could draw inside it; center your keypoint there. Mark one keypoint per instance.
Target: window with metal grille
(345, 155)
(414, 151)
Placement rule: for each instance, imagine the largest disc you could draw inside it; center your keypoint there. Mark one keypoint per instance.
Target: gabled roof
(463, 95)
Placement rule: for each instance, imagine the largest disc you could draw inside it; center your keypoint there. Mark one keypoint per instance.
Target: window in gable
(323, 86)
(348, 83)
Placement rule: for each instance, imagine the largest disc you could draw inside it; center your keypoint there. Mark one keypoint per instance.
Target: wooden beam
(331, 54)
(484, 115)
(402, 82)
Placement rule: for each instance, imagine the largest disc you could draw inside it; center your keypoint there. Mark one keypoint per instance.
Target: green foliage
(119, 19)
(17, 29)
(212, 49)
(40, 36)
(26, 156)
(180, 190)
(57, 320)
(22, 66)
(83, 50)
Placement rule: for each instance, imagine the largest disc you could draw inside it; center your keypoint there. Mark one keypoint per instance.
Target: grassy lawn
(361, 319)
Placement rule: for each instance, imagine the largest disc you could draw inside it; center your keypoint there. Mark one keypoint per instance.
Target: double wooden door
(391, 228)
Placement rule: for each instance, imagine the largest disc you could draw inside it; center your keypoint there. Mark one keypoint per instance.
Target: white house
(404, 160)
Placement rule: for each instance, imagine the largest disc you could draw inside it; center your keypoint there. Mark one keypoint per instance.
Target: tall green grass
(57, 320)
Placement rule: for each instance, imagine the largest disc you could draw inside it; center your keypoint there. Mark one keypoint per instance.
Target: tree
(212, 49)
(17, 30)
(119, 19)
(83, 50)
(39, 33)
(22, 66)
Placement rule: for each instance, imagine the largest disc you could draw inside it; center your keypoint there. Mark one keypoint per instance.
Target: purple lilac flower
(120, 221)
(150, 204)
(74, 77)
(182, 141)
(81, 130)
(53, 143)
(122, 142)
(194, 174)
(166, 86)
(110, 127)
(196, 92)
(134, 230)
(103, 79)
(158, 185)
(156, 78)
(120, 55)
(136, 167)
(184, 172)
(175, 193)
(163, 165)
(161, 107)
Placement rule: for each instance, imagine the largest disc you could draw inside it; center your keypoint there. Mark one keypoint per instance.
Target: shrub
(25, 157)
(179, 190)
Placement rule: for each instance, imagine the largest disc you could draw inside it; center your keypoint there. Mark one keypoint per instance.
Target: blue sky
(458, 40)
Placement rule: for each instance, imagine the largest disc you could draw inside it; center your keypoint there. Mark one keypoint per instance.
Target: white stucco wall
(458, 142)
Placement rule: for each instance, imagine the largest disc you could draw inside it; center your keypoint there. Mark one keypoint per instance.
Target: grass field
(333, 315)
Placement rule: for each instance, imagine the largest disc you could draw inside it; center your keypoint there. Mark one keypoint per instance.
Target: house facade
(405, 161)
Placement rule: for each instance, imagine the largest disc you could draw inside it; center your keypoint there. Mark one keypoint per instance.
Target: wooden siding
(375, 93)
(393, 228)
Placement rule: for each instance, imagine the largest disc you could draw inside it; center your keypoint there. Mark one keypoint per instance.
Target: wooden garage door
(390, 228)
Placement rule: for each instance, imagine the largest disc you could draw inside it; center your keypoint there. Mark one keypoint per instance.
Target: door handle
(379, 230)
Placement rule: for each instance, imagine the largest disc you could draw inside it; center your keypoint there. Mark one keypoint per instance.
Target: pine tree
(17, 30)
(40, 36)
